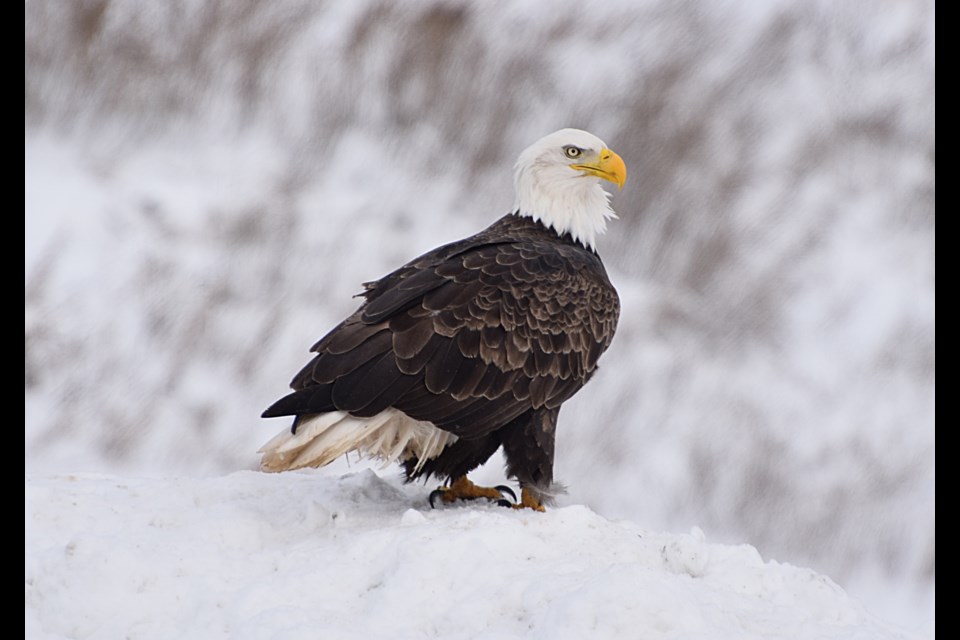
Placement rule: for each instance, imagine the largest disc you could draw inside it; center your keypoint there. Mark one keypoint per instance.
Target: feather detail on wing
(466, 337)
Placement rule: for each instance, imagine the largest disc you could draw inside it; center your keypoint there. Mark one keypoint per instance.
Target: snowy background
(208, 183)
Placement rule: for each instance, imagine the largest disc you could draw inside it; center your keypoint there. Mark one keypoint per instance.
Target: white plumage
(391, 436)
(553, 193)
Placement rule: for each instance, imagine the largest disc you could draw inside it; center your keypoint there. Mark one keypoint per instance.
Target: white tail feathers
(390, 436)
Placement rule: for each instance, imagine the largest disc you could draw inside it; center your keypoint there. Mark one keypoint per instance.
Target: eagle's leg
(528, 444)
(462, 489)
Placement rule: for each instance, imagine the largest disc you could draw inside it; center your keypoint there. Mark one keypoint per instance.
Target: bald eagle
(474, 345)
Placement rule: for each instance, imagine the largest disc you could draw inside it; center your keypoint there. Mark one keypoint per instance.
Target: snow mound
(304, 555)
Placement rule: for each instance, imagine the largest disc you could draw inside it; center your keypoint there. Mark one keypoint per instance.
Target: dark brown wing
(468, 336)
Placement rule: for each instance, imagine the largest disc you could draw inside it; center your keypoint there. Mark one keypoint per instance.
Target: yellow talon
(527, 501)
(463, 489)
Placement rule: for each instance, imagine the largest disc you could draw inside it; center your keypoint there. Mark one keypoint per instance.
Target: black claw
(505, 503)
(433, 496)
(505, 490)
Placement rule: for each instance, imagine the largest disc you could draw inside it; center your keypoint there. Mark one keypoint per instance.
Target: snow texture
(208, 183)
(257, 556)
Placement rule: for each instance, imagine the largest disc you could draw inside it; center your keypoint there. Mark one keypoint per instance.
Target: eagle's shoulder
(515, 254)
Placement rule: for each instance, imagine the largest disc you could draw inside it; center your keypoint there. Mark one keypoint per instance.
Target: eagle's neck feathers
(576, 205)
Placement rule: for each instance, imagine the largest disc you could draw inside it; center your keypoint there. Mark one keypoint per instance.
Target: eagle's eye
(572, 151)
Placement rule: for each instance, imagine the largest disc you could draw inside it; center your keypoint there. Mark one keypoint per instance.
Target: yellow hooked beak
(608, 166)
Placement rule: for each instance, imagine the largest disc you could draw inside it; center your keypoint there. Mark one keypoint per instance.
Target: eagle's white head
(558, 183)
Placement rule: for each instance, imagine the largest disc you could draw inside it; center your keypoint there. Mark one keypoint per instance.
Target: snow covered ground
(306, 555)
